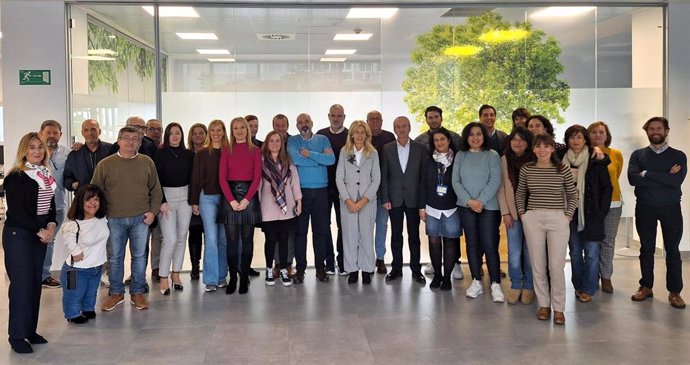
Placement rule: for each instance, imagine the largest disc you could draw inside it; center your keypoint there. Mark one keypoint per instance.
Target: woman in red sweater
(239, 175)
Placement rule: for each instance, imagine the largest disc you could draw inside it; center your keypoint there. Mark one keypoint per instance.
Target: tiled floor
(337, 323)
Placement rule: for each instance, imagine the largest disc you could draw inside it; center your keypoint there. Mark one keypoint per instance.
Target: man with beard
(657, 173)
(51, 131)
(312, 154)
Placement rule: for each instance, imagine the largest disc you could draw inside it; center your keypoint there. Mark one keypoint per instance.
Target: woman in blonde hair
(239, 175)
(196, 141)
(30, 226)
(205, 197)
(358, 177)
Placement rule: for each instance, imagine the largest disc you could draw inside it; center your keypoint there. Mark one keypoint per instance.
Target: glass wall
(573, 64)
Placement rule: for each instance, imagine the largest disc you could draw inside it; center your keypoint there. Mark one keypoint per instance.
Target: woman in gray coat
(358, 177)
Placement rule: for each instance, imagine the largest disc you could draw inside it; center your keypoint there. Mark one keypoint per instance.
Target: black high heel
(167, 290)
(176, 286)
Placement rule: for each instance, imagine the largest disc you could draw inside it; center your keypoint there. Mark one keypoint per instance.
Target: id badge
(441, 190)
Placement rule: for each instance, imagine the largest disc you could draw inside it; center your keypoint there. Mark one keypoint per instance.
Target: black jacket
(81, 164)
(429, 185)
(22, 202)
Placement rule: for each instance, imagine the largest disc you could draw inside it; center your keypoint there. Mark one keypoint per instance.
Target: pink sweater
(240, 165)
(270, 211)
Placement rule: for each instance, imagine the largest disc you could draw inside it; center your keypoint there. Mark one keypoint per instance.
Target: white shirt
(436, 213)
(358, 155)
(93, 237)
(403, 154)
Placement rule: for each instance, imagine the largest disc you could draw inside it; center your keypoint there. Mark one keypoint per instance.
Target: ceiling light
(199, 36)
(228, 59)
(352, 37)
(562, 11)
(504, 35)
(340, 51)
(213, 51)
(173, 11)
(333, 59)
(102, 52)
(381, 13)
(462, 51)
(95, 58)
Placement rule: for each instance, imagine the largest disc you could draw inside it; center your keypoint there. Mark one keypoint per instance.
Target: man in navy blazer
(401, 169)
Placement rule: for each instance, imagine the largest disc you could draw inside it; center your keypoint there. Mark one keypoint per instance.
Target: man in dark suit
(401, 169)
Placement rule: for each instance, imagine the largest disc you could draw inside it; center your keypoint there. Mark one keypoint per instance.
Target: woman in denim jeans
(205, 197)
(86, 236)
(517, 153)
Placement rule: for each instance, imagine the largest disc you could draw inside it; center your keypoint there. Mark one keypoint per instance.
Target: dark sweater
(81, 164)
(658, 187)
(22, 202)
(428, 188)
(381, 140)
(205, 174)
(174, 167)
(337, 143)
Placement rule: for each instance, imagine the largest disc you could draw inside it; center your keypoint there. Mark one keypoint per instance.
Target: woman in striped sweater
(546, 220)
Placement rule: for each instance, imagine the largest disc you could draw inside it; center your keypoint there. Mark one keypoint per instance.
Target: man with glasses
(134, 196)
(51, 131)
(147, 146)
(154, 131)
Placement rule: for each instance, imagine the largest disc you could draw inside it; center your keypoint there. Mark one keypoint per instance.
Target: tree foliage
(104, 73)
(507, 75)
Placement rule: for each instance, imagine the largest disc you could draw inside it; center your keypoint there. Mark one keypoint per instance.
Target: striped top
(44, 197)
(546, 188)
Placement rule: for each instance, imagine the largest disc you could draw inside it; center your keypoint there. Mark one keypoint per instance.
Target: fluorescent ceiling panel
(173, 11)
(227, 59)
(213, 51)
(197, 36)
(340, 51)
(379, 13)
(352, 36)
(333, 59)
(562, 11)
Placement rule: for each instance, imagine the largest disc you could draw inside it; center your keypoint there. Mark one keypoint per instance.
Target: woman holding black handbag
(85, 235)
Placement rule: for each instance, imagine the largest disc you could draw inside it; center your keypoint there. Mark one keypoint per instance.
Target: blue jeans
(584, 260)
(136, 231)
(519, 267)
(48, 261)
(481, 234)
(215, 246)
(83, 298)
(381, 229)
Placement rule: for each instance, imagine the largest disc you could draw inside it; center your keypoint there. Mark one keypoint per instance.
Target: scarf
(515, 163)
(581, 161)
(445, 159)
(41, 175)
(277, 176)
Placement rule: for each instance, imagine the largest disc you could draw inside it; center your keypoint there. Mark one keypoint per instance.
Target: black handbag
(71, 271)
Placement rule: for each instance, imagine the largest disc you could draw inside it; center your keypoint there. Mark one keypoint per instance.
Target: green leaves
(507, 75)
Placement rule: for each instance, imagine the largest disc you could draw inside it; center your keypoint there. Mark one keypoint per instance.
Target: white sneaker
(475, 289)
(457, 272)
(429, 269)
(497, 293)
(104, 280)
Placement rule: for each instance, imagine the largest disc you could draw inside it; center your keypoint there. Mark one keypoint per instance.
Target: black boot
(195, 271)
(244, 284)
(233, 284)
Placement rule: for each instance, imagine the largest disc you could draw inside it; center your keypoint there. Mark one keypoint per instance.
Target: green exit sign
(34, 77)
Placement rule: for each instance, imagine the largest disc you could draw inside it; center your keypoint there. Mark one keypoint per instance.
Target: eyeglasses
(155, 129)
(129, 139)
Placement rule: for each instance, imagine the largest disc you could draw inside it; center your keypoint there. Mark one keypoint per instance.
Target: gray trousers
(175, 227)
(608, 245)
(358, 237)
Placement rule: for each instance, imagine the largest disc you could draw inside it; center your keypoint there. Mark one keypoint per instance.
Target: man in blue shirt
(311, 153)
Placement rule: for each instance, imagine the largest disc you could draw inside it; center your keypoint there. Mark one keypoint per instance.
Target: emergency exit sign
(34, 77)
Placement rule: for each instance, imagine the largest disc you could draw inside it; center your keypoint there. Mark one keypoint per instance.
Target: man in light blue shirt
(311, 153)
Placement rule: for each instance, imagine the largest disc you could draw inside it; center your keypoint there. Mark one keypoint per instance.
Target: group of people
(220, 186)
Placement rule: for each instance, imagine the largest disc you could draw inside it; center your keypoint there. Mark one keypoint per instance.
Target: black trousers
(334, 201)
(24, 255)
(671, 219)
(195, 243)
(396, 216)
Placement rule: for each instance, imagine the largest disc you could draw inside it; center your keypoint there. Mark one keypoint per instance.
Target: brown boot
(527, 296)
(675, 300)
(276, 271)
(606, 285)
(513, 296)
(544, 313)
(642, 294)
(291, 271)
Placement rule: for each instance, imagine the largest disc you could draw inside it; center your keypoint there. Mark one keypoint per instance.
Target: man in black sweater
(657, 173)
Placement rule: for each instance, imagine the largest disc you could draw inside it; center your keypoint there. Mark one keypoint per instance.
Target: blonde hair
(232, 136)
(350, 144)
(224, 141)
(23, 149)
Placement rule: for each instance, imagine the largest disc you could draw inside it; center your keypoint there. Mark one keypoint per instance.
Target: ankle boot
(233, 284)
(244, 284)
(195, 271)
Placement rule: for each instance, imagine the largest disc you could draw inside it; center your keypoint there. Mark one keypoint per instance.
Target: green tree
(506, 74)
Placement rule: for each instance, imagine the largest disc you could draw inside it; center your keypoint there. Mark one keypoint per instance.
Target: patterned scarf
(41, 175)
(278, 176)
(581, 161)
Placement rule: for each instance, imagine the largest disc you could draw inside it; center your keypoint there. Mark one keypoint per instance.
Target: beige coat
(506, 194)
